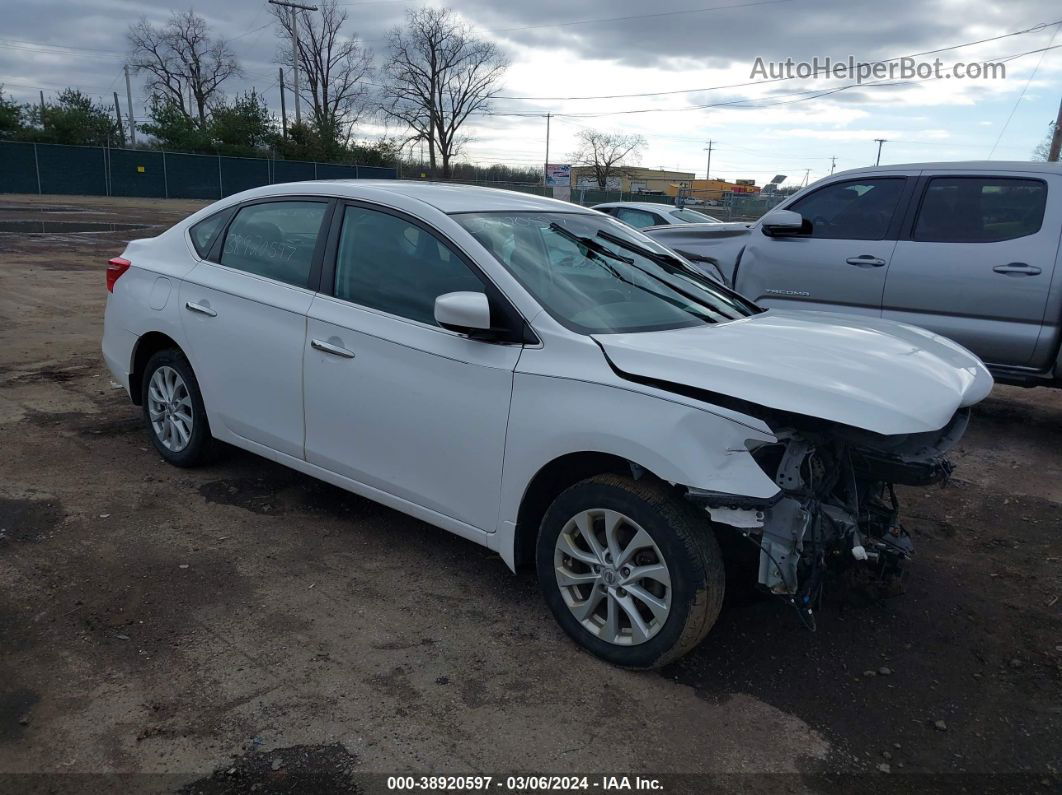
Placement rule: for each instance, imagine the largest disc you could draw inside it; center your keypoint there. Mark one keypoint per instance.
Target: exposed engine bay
(837, 512)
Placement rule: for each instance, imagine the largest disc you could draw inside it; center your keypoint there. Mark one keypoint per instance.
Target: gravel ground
(245, 628)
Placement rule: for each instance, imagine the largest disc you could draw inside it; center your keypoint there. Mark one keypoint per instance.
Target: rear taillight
(115, 268)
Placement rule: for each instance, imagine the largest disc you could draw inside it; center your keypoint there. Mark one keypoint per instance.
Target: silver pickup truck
(968, 250)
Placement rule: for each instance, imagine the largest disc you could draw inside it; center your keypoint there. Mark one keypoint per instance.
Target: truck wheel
(631, 572)
(173, 410)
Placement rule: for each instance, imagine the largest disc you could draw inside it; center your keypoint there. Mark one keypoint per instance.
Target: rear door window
(980, 209)
(853, 210)
(639, 219)
(275, 240)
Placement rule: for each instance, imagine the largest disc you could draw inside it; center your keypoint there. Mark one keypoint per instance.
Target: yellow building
(712, 189)
(631, 179)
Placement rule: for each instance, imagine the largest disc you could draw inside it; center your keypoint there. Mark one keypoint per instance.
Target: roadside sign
(558, 175)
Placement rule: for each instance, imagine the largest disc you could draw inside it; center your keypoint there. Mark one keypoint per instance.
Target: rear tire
(173, 410)
(632, 572)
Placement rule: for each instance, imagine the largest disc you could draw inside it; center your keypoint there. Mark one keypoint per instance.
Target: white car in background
(642, 215)
(542, 380)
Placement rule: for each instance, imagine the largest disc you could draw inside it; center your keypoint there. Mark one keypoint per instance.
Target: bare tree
(182, 61)
(1043, 149)
(437, 75)
(333, 68)
(606, 152)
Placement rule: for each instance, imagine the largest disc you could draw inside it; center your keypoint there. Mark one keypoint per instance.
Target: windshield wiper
(589, 243)
(671, 264)
(596, 248)
(666, 260)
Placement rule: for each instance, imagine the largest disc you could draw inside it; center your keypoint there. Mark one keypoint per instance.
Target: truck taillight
(115, 268)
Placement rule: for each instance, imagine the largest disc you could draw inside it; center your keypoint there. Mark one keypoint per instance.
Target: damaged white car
(545, 381)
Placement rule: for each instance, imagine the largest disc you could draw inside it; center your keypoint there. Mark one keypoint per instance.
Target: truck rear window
(980, 209)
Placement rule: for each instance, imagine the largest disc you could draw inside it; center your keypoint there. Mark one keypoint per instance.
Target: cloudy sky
(566, 56)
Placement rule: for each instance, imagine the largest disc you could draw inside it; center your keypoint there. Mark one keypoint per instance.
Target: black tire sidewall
(686, 569)
(198, 447)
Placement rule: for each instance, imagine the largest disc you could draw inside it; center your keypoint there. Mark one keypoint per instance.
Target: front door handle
(866, 261)
(335, 350)
(1017, 269)
(203, 310)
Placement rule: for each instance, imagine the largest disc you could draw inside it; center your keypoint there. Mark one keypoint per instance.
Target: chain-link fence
(97, 171)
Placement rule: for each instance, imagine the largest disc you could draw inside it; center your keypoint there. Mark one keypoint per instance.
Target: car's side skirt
(376, 495)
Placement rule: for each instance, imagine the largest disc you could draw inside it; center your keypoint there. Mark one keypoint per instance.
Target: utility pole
(708, 170)
(294, 49)
(43, 123)
(833, 163)
(880, 142)
(129, 106)
(283, 107)
(545, 171)
(118, 116)
(1056, 139)
(807, 173)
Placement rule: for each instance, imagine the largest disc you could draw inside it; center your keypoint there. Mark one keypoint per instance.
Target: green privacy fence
(98, 171)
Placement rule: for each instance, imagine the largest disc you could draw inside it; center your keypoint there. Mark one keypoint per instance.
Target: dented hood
(874, 374)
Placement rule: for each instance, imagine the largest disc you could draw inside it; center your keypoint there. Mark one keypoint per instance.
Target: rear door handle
(203, 310)
(866, 261)
(1017, 269)
(335, 350)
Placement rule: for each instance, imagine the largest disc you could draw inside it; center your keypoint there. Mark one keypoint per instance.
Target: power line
(253, 30)
(1021, 96)
(54, 87)
(56, 46)
(641, 16)
(1035, 28)
(814, 94)
(48, 50)
(743, 103)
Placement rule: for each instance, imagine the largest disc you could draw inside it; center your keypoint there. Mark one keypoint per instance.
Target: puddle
(60, 227)
(33, 208)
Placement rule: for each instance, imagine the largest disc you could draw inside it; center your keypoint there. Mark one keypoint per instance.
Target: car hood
(869, 373)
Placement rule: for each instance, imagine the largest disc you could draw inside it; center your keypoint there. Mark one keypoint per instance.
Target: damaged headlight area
(836, 511)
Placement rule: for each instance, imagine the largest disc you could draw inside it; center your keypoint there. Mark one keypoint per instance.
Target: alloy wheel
(613, 577)
(170, 409)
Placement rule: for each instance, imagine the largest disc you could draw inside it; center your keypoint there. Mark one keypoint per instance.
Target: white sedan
(642, 215)
(543, 380)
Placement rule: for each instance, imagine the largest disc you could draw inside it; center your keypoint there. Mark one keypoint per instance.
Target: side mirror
(782, 222)
(464, 312)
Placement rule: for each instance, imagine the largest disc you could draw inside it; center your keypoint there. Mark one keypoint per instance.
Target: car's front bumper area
(836, 510)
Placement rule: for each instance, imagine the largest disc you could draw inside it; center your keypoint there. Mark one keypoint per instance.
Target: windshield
(596, 275)
(694, 216)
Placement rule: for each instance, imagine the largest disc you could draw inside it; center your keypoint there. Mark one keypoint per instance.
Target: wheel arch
(552, 479)
(146, 346)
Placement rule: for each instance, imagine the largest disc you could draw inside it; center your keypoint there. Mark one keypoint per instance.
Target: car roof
(443, 196)
(989, 166)
(660, 206)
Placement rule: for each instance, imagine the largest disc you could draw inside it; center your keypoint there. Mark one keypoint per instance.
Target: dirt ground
(245, 628)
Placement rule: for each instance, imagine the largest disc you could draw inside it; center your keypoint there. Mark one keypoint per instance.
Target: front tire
(173, 410)
(631, 572)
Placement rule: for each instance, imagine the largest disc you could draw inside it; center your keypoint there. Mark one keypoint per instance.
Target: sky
(564, 55)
